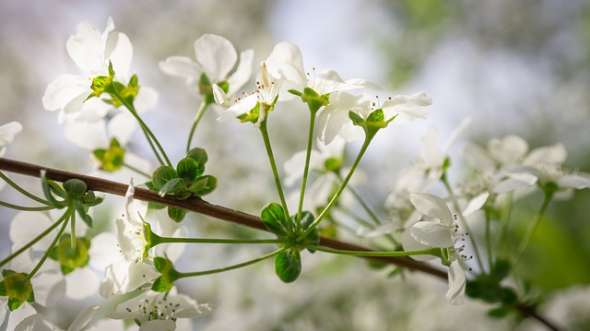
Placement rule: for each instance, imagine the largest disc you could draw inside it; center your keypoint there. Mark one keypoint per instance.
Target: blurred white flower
(7, 133)
(92, 51)
(215, 57)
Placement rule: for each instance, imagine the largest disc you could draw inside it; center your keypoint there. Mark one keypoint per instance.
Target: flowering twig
(200, 206)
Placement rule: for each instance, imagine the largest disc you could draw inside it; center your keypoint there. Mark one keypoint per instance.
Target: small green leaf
(295, 92)
(288, 265)
(356, 119)
(499, 312)
(376, 116)
(162, 175)
(176, 214)
(273, 217)
(251, 116)
(162, 284)
(313, 238)
(189, 169)
(155, 205)
(203, 185)
(14, 304)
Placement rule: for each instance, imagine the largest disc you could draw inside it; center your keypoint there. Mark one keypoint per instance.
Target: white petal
(476, 203)
(243, 72)
(103, 251)
(86, 48)
(216, 55)
(65, 89)
(457, 132)
(158, 325)
(220, 97)
(81, 283)
(431, 153)
(553, 155)
(457, 282)
(33, 323)
(508, 150)
(576, 181)
(243, 106)
(8, 131)
(294, 168)
(431, 206)
(88, 135)
(433, 234)
(286, 61)
(146, 99)
(181, 66)
(410, 244)
(26, 226)
(121, 56)
(122, 126)
(478, 159)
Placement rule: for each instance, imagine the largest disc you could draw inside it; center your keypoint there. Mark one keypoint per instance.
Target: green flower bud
(17, 287)
(71, 258)
(75, 188)
(112, 158)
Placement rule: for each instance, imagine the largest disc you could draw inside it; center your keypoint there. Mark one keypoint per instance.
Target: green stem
(22, 190)
(335, 197)
(356, 217)
(136, 170)
(46, 254)
(488, 236)
(429, 251)
(35, 240)
(73, 231)
(150, 136)
(531, 230)
(273, 165)
(196, 121)
(169, 240)
(307, 160)
(24, 208)
(506, 221)
(231, 267)
(470, 234)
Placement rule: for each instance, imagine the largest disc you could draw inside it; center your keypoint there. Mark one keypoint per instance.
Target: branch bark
(200, 206)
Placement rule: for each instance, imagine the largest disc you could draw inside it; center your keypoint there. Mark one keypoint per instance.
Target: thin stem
(136, 170)
(429, 251)
(231, 267)
(196, 121)
(506, 221)
(306, 167)
(470, 234)
(273, 165)
(341, 188)
(488, 236)
(531, 230)
(356, 217)
(35, 240)
(24, 208)
(22, 190)
(363, 204)
(170, 240)
(151, 137)
(73, 231)
(46, 254)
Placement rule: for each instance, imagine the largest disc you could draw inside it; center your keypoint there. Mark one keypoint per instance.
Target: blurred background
(520, 67)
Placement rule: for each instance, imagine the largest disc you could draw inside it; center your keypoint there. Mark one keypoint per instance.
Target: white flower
(438, 228)
(92, 51)
(7, 133)
(334, 119)
(159, 311)
(215, 57)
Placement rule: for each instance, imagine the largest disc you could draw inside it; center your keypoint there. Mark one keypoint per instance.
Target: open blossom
(334, 119)
(7, 133)
(438, 228)
(92, 51)
(215, 57)
(159, 311)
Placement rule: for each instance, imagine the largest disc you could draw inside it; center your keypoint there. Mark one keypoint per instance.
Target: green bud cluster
(187, 180)
(71, 257)
(313, 99)
(292, 234)
(111, 158)
(119, 93)
(373, 123)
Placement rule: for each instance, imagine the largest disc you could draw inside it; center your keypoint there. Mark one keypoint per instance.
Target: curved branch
(200, 206)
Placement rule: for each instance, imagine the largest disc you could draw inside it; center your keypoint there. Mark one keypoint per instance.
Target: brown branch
(203, 207)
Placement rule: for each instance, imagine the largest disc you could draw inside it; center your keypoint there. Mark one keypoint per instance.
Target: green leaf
(203, 185)
(155, 205)
(313, 238)
(162, 284)
(273, 217)
(499, 312)
(168, 274)
(189, 169)
(162, 175)
(14, 304)
(356, 119)
(295, 92)
(500, 269)
(199, 155)
(251, 116)
(176, 214)
(288, 265)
